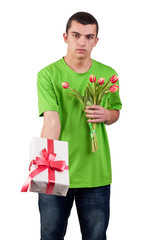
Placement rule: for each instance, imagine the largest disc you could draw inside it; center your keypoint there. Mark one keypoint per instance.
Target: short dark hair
(83, 18)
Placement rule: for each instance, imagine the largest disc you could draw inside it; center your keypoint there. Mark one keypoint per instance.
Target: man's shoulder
(49, 69)
(105, 68)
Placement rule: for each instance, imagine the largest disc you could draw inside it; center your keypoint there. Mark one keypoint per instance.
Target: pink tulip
(92, 78)
(114, 79)
(65, 85)
(114, 88)
(100, 81)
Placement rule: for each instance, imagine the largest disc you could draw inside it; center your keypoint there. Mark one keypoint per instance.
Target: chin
(81, 56)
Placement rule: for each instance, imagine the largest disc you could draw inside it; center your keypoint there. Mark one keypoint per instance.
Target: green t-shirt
(86, 168)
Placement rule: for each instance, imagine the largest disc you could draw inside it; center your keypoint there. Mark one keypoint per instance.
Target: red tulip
(65, 85)
(114, 88)
(92, 78)
(100, 81)
(114, 79)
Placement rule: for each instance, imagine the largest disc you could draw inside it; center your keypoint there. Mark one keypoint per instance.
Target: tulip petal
(114, 79)
(65, 85)
(92, 78)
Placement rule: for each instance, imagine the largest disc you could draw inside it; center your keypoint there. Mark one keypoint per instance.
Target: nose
(82, 41)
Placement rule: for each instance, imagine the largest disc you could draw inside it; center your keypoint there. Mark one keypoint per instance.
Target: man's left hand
(100, 114)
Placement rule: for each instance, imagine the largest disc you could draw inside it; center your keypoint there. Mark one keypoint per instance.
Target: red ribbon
(47, 161)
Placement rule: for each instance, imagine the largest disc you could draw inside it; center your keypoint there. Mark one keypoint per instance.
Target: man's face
(81, 39)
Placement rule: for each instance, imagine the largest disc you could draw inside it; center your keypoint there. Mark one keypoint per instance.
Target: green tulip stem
(70, 89)
(107, 91)
(92, 127)
(94, 88)
(108, 84)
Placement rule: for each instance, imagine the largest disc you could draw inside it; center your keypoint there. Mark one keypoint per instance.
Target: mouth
(81, 50)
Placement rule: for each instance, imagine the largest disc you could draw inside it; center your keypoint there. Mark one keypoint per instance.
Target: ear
(65, 37)
(96, 42)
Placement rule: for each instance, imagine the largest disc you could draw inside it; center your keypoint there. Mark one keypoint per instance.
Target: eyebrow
(88, 35)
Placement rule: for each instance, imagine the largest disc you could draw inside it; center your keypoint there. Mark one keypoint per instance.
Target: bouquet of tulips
(93, 95)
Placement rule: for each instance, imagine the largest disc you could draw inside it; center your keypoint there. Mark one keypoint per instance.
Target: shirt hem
(115, 107)
(89, 185)
(41, 112)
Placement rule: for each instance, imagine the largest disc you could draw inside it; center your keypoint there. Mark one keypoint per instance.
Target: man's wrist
(112, 117)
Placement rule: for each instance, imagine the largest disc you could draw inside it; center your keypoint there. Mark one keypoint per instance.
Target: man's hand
(100, 114)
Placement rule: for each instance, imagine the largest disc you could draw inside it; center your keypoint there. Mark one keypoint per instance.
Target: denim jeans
(92, 208)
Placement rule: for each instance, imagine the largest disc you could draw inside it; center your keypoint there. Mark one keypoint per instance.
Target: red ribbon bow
(47, 161)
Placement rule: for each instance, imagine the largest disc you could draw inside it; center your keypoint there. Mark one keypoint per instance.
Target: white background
(31, 38)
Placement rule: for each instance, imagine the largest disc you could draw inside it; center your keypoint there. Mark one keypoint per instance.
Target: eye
(90, 37)
(75, 35)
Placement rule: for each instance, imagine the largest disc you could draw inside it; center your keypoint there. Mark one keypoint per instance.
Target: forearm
(51, 127)
(51, 132)
(113, 116)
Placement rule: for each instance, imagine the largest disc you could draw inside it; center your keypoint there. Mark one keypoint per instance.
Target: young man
(90, 172)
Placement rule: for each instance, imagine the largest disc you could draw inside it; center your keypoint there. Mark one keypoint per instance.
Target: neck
(78, 65)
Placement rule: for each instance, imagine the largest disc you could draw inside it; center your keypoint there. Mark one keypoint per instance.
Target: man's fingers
(93, 112)
(93, 107)
(96, 113)
(92, 116)
(95, 120)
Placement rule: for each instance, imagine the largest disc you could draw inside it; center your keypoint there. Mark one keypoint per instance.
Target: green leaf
(91, 89)
(106, 83)
(71, 94)
(89, 103)
(102, 93)
(88, 95)
(98, 92)
(86, 92)
(79, 96)
(90, 98)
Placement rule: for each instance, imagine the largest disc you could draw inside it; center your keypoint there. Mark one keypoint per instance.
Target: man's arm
(100, 114)
(112, 116)
(51, 127)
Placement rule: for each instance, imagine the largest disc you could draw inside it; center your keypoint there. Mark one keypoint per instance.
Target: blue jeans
(92, 207)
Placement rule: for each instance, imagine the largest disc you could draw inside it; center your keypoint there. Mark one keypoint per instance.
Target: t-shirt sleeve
(47, 100)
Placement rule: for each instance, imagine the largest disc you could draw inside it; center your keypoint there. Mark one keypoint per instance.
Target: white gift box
(39, 182)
